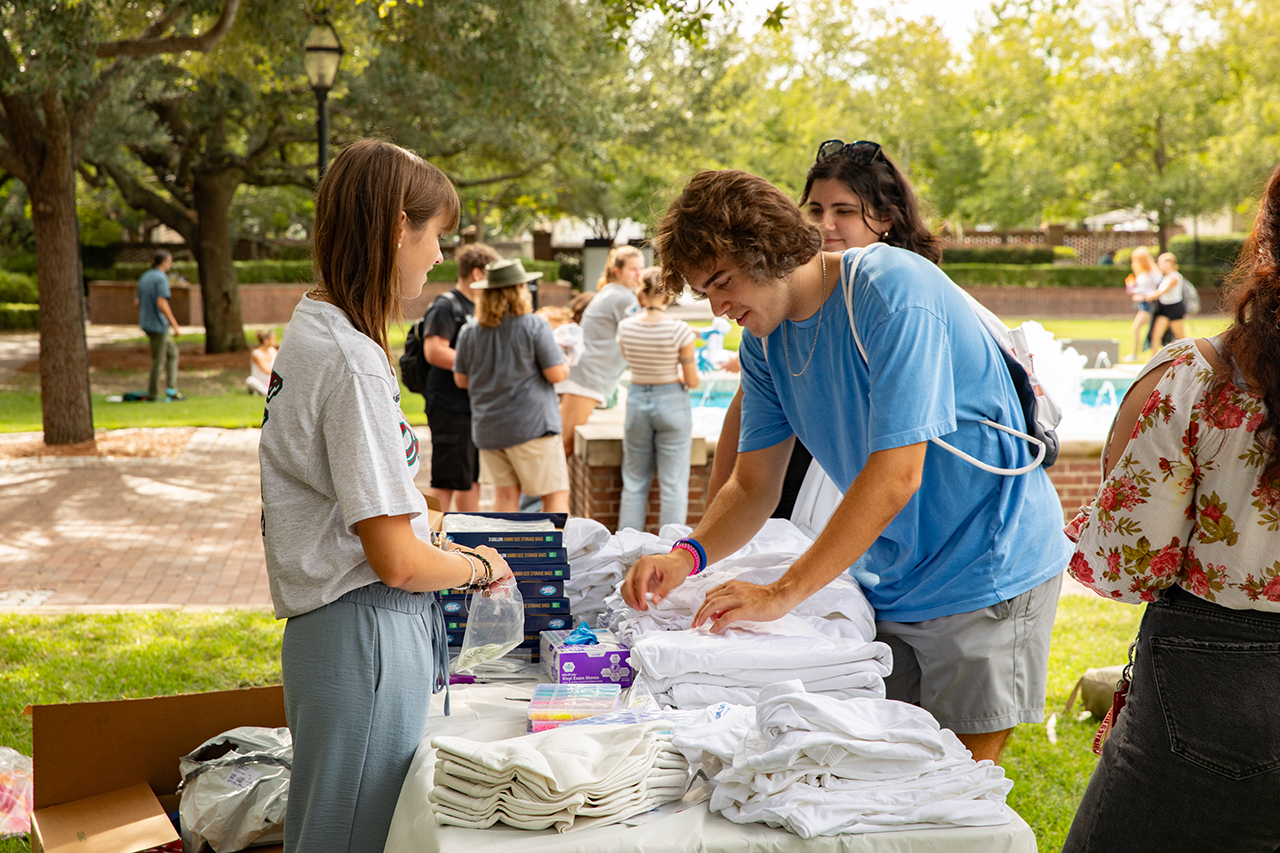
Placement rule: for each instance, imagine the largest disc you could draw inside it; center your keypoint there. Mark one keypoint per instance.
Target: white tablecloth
(494, 711)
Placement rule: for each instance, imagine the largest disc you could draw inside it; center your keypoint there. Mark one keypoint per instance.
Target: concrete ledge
(600, 445)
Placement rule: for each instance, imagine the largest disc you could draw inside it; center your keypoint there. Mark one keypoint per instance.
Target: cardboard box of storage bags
(106, 773)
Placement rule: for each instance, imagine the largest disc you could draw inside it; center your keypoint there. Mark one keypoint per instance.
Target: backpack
(1190, 298)
(414, 367)
(1041, 414)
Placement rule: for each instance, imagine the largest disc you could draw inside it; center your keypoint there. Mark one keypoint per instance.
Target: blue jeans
(1193, 763)
(659, 429)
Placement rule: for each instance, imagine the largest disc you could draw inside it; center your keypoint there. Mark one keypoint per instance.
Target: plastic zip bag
(235, 788)
(495, 626)
(16, 792)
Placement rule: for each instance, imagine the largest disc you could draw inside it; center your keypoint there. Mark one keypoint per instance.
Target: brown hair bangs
(494, 306)
(356, 235)
(733, 217)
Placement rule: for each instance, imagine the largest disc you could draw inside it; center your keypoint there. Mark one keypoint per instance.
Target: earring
(398, 245)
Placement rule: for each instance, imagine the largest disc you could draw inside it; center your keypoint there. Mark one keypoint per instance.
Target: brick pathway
(80, 534)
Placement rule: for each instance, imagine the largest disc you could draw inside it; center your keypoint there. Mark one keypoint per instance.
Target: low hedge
(17, 287)
(1216, 251)
(448, 270)
(998, 255)
(301, 272)
(19, 317)
(1049, 275)
(247, 272)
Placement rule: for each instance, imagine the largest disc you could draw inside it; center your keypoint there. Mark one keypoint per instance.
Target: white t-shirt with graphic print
(335, 450)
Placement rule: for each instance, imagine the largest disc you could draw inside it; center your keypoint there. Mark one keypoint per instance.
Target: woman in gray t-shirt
(344, 528)
(508, 360)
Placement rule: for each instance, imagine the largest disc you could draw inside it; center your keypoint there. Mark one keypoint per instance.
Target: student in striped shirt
(659, 424)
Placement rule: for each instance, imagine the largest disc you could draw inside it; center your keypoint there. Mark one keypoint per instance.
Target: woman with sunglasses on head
(856, 196)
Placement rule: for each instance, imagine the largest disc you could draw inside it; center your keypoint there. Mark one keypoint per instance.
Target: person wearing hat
(508, 360)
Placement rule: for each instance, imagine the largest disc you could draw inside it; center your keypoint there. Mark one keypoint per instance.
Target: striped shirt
(652, 350)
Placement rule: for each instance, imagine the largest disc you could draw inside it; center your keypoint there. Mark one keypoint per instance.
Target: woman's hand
(501, 571)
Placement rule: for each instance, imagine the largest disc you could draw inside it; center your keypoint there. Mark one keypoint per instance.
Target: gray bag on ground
(235, 788)
(1096, 689)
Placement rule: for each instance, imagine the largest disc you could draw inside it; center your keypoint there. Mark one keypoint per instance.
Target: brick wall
(111, 302)
(1076, 478)
(1086, 302)
(595, 489)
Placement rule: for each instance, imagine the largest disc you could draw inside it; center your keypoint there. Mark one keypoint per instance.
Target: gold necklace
(785, 349)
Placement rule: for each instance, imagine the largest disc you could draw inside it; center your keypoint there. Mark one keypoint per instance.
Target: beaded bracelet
(693, 547)
(488, 572)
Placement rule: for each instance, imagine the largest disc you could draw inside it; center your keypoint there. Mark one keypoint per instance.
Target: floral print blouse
(1184, 504)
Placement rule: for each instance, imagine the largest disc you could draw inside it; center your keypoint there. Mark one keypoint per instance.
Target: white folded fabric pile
(569, 778)
(827, 641)
(816, 765)
(599, 560)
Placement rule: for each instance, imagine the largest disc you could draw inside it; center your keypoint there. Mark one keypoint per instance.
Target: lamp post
(324, 55)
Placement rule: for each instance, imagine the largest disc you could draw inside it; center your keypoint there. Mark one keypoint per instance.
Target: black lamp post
(324, 55)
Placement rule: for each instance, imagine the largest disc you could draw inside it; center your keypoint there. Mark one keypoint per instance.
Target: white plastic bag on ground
(235, 788)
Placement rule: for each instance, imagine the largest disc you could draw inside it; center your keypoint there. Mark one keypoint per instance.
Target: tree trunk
(65, 405)
(223, 319)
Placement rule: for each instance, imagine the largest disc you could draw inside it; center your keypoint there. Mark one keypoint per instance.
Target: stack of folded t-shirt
(599, 560)
(816, 765)
(827, 641)
(569, 778)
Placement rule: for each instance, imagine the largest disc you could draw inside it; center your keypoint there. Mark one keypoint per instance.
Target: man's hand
(736, 601)
(658, 574)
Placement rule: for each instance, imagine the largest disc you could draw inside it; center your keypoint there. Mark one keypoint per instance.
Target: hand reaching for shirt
(657, 574)
(739, 601)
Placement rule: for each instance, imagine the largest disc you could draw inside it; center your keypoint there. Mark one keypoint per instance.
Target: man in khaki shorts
(508, 360)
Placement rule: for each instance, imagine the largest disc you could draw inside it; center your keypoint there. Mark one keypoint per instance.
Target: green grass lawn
(215, 398)
(95, 658)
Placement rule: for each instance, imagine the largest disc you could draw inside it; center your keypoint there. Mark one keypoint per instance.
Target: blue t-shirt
(153, 285)
(967, 539)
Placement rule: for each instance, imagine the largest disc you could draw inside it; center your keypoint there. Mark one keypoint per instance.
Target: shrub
(1048, 275)
(1065, 253)
(1216, 251)
(1122, 256)
(571, 269)
(17, 287)
(998, 255)
(299, 272)
(448, 270)
(23, 262)
(16, 317)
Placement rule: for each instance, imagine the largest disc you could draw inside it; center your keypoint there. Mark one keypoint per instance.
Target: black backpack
(414, 368)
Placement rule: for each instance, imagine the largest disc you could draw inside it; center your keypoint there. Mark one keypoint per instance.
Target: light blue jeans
(658, 431)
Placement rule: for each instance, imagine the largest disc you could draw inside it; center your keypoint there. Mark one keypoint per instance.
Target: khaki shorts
(537, 467)
(977, 672)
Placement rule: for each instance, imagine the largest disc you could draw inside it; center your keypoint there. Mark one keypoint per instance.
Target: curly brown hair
(1253, 340)
(735, 217)
(498, 304)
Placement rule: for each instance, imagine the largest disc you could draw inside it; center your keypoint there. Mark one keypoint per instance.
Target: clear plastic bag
(16, 792)
(495, 626)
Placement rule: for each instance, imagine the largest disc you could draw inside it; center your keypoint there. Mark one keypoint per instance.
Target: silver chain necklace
(787, 350)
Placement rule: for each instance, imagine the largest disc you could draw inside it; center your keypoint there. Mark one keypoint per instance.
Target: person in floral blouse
(1187, 520)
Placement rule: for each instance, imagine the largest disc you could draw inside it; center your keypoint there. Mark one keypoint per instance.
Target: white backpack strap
(847, 284)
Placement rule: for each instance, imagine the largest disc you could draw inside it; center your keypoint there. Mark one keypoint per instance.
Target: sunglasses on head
(860, 152)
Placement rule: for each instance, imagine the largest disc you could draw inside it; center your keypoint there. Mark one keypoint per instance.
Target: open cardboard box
(106, 773)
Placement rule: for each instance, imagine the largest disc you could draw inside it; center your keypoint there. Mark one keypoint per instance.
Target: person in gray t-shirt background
(509, 361)
(594, 378)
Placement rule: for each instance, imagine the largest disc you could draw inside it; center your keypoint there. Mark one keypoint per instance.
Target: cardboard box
(609, 662)
(106, 773)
